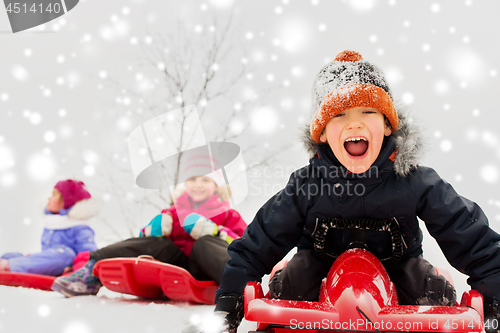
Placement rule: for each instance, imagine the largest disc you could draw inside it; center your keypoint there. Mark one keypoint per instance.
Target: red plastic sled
(357, 295)
(39, 281)
(149, 278)
(27, 280)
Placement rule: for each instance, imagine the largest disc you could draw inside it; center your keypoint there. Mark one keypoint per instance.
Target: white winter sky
(441, 58)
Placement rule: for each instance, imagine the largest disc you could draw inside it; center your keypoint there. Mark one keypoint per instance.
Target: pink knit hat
(72, 191)
(198, 162)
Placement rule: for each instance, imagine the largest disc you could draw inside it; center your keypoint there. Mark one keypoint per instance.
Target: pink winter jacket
(214, 209)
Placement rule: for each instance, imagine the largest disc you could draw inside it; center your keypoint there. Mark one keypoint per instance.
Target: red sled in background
(357, 295)
(27, 280)
(148, 278)
(40, 281)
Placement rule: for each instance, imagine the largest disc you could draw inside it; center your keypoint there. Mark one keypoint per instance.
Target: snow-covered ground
(25, 310)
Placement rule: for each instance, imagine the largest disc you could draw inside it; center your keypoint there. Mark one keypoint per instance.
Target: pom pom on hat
(348, 82)
(348, 55)
(72, 191)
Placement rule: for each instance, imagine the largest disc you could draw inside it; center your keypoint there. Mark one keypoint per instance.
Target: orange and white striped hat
(348, 82)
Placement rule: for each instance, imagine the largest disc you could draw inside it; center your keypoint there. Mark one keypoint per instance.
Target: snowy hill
(27, 310)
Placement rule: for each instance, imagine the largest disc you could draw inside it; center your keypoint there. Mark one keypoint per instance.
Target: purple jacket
(63, 238)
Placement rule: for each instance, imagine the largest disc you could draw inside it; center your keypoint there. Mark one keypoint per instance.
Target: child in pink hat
(67, 232)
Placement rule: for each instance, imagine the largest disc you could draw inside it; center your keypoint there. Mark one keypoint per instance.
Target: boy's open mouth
(356, 146)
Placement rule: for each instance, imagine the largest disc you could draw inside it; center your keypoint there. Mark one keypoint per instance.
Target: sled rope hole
(143, 256)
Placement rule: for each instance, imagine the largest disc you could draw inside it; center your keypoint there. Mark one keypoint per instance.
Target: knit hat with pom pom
(348, 82)
(72, 191)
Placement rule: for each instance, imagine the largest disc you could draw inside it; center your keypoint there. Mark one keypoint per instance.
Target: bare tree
(186, 68)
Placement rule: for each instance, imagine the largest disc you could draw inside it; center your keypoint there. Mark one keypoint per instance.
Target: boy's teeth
(355, 139)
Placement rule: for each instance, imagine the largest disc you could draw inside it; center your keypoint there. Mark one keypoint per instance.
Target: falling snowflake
(49, 136)
(435, 8)
(236, 126)
(489, 173)
(465, 65)
(490, 139)
(407, 98)
(77, 327)
(90, 157)
(361, 5)
(35, 118)
(88, 170)
(19, 73)
(287, 103)
(86, 38)
(393, 75)
(41, 167)
(471, 134)
(297, 71)
(8, 179)
(294, 35)
(44, 310)
(441, 86)
(264, 120)
(446, 145)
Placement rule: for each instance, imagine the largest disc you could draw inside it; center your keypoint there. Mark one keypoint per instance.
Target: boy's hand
(160, 226)
(231, 308)
(491, 314)
(226, 317)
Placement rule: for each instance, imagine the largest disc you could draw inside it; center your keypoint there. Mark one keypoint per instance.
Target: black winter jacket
(325, 189)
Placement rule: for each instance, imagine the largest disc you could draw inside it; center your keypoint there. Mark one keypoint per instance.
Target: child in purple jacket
(67, 232)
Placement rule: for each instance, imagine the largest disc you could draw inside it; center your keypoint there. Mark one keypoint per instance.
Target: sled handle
(143, 256)
(389, 225)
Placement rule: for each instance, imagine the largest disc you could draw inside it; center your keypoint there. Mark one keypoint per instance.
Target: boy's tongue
(356, 148)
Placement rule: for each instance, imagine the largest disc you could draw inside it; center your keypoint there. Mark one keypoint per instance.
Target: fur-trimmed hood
(408, 140)
(85, 209)
(81, 213)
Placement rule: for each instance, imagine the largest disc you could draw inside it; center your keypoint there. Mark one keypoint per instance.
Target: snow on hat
(198, 162)
(348, 82)
(72, 191)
